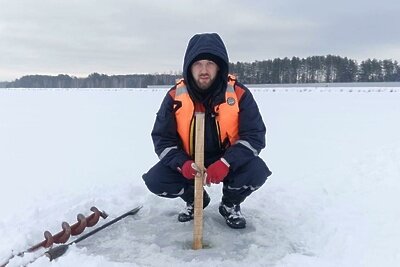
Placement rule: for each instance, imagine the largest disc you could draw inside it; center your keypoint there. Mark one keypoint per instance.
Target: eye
(196, 64)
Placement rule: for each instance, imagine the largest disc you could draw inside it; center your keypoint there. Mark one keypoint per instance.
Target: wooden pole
(198, 182)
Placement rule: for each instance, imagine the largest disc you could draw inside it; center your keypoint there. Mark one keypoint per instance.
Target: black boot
(232, 214)
(187, 214)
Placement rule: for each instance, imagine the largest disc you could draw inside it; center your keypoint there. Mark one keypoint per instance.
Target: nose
(203, 68)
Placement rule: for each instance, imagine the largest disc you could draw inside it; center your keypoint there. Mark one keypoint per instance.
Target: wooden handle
(198, 182)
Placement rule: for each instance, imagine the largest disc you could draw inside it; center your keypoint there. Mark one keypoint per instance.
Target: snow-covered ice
(332, 199)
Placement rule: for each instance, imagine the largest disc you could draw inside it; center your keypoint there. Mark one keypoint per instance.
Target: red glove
(189, 169)
(217, 171)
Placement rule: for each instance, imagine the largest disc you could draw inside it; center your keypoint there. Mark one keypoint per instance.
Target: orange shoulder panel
(172, 92)
(239, 92)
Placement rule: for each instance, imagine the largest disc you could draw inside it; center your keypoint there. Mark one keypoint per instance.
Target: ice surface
(332, 199)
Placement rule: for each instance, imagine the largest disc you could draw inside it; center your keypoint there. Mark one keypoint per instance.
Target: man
(234, 133)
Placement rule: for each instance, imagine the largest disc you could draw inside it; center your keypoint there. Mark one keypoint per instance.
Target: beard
(204, 82)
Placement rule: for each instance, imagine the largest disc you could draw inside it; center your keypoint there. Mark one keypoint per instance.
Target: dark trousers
(165, 182)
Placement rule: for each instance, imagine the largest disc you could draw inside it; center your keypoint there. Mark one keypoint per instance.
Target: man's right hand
(189, 169)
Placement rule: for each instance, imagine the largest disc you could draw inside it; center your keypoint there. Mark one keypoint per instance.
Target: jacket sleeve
(165, 137)
(252, 133)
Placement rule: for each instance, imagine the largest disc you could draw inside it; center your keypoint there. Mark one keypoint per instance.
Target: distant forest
(315, 69)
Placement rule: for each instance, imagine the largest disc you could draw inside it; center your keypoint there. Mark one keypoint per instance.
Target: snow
(332, 199)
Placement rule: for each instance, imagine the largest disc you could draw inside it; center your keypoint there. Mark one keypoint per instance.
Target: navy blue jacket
(167, 143)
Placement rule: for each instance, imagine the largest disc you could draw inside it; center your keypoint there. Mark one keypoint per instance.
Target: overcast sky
(79, 37)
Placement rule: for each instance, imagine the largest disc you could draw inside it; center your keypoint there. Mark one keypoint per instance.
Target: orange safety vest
(227, 115)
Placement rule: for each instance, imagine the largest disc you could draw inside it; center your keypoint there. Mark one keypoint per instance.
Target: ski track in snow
(332, 199)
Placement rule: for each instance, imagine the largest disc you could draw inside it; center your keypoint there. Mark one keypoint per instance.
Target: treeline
(315, 69)
(94, 80)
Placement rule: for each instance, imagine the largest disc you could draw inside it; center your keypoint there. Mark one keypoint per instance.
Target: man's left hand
(216, 172)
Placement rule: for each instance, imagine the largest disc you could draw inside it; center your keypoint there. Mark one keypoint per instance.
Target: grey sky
(79, 37)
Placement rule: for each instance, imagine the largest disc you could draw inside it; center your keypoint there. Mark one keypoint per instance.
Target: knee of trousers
(252, 174)
(163, 181)
(246, 179)
(151, 183)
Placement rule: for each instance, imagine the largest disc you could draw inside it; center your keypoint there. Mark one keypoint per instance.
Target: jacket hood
(206, 43)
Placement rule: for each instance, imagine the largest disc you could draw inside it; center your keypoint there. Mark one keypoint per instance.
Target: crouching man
(234, 133)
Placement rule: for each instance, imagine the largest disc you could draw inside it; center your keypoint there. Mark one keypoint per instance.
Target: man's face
(204, 73)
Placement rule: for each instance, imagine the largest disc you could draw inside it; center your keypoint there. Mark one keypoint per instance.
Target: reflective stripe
(252, 188)
(247, 144)
(230, 88)
(166, 194)
(225, 162)
(165, 151)
(180, 90)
